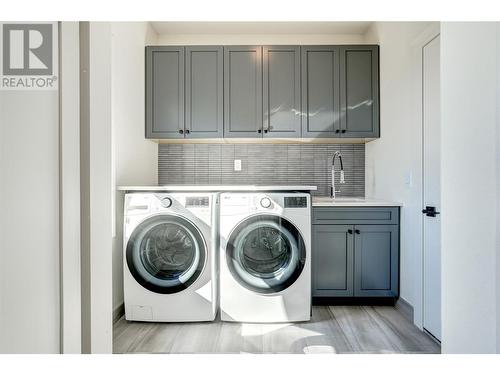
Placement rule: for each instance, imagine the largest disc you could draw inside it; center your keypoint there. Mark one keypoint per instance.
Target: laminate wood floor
(332, 329)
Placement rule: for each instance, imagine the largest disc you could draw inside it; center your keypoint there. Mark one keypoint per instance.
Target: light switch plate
(237, 165)
(409, 179)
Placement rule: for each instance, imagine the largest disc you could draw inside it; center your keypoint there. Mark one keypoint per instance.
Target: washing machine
(170, 268)
(265, 257)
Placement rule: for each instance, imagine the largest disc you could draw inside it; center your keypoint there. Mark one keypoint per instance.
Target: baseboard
(405, 309)
(118, 312)
(353, 301)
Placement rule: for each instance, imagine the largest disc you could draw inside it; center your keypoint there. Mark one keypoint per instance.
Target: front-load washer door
(166, 253)
(265, 253)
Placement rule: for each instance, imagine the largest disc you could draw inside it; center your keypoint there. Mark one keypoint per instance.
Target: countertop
(219, 188)
(352, 202)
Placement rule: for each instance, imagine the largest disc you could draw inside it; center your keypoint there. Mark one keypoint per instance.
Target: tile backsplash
(262, 164)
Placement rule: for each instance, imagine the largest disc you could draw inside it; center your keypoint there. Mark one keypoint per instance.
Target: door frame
(69, 188)
(429, 33)
(423, 193)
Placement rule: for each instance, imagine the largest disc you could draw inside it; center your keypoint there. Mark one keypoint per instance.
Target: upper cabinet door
(281, 102)
(243, 92)
(359, 88)
(320, 91)
(204, 92)
(164, 92)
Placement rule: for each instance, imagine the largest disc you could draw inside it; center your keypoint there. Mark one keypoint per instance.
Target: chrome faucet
(342, 180)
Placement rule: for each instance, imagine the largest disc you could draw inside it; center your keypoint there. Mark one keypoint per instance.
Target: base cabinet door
(376, 260)
(332, 261)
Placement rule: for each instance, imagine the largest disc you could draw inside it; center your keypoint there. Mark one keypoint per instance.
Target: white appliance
(265, 257)
(170, 272)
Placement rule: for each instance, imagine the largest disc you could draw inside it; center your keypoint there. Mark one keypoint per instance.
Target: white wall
(135, 158)
(396, 155)
(29, 222)
(69, 196)
(96, 187)
(498, 188)
(258, 39)
(470, 187)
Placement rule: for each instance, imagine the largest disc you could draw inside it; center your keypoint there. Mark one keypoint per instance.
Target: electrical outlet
(237, 165)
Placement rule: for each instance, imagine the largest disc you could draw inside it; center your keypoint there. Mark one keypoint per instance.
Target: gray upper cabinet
(164, 92)
(281, 91)
(320, 91)
(262, 92)
(376, 260)
(359, 91)
(243, 92)
(332, 265)
(204, 92)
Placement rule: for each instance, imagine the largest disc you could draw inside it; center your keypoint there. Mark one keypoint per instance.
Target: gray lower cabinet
(376, 260)
(164, 92)
(332, 261)
(355, 260)
(243, 92)
(320, 91)
(359, 92)
(204, 92)
(281, 91)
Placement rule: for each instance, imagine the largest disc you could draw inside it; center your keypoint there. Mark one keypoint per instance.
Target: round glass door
(166, 253)
(266, 253)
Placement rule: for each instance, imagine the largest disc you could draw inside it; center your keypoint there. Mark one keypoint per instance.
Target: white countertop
(352, 202)
(219, 188)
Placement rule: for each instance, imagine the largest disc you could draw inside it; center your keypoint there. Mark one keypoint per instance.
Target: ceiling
(261, 27)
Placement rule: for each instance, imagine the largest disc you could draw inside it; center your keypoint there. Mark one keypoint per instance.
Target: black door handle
(259, 131)
(430, 211)
(265, 130)
(337, 131)
(343, 130)
(357, 231)
(187, 131)
(181, 131)
(349, 231)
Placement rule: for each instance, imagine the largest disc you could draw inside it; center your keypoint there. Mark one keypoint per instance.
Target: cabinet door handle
(187, 131)
(265, 130)
(181, 131)
(343, 130)
(357, 231)
(259, 131)
(349, 231)
(337, 131)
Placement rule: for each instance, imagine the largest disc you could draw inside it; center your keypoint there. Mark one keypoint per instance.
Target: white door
(431, 188)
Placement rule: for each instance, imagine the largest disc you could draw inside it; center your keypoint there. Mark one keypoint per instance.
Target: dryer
(265, 257)
(169, 263)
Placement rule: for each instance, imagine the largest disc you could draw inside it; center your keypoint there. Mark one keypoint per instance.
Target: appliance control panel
(197, 202)
(295, 202)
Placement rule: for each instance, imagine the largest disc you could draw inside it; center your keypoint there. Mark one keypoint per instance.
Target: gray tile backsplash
(262, 164)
